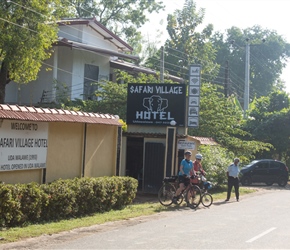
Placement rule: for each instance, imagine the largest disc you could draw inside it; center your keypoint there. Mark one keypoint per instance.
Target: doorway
(134, 159)
(153, 167)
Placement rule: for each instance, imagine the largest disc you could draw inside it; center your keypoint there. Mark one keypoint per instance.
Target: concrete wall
(24, 176)
(123, 156)
(65, 149)
(66, 155)
(101, 150)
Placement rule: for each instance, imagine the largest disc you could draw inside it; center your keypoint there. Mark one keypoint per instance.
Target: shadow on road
(145, 197)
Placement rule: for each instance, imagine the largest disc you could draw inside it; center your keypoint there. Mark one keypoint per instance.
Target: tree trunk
(3, 82)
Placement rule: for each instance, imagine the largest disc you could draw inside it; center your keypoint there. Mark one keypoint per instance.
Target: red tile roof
(205, 140)
(15, 112)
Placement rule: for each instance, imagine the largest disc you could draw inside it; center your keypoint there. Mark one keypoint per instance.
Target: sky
(223, 14)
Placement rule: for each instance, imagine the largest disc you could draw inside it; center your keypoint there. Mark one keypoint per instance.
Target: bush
(9, 205)
(61, 200)
(28, 203)
(31, 198)
(215, 162)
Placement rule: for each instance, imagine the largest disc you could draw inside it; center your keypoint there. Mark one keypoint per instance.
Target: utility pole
(162, 65)
(226, 87)
(247, 79)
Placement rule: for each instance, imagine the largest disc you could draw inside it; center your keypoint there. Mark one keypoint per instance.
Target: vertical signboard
(193, 96)
(23, 145)
(156, 104)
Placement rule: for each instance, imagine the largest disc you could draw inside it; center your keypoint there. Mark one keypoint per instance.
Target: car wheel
(269, 182)
(282, 181)
(246, 181)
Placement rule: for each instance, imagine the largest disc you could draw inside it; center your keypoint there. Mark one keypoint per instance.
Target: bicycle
(204, 185)
(206, 198)
(191, 194)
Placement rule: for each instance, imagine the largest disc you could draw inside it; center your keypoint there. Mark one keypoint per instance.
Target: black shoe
(237, 200)
(174, 200)
(227, 200)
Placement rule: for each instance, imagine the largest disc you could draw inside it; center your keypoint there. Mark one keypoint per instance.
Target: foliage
(263, 106)
(9, 205)
(215, 161)
(221, 119)
(22, 204)
(31, 199)
(112, 99)
(61, 198)
(268, 55)
(270, 122)
(186, 45)
(28, 30)
(124, 125)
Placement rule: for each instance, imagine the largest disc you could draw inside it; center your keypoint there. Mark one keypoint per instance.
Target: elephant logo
(155, 103)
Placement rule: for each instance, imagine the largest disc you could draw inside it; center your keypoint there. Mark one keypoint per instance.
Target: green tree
(28, 30)
(186, 45)
(270, 123)
(268, 56)
(123, 17)
(221, 119)
(215, 161)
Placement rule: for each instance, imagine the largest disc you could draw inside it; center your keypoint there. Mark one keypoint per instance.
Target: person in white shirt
(233, 179)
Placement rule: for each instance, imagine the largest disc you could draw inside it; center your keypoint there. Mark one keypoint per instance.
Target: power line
(99, 38)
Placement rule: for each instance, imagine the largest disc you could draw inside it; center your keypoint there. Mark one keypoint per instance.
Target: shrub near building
(22, 204)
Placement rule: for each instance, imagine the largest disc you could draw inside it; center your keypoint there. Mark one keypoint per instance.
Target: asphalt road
(258, 221)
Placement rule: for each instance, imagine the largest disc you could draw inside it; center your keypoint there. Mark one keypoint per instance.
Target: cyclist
(186, 167)
(197, 167)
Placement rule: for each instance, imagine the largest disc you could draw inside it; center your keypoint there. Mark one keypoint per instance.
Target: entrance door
(134, 159)
(153, 167)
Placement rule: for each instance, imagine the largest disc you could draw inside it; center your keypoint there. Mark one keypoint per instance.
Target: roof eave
(82, 46)
(94, 24)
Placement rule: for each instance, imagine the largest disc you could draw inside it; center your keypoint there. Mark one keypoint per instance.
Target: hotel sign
(156, 104)
(193, 96)
(23, 145)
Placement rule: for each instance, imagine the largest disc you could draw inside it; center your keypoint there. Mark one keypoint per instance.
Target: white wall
(70, 69)
(80, 58)
(71, 32)
(91, 37)
(30, 93)
(85, 34)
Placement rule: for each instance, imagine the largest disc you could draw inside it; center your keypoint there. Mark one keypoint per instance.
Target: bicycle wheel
(166, 193)
(193, 196)
(180, 199)
(206, 199)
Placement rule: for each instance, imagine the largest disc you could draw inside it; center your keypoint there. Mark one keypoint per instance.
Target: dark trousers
(233, 182)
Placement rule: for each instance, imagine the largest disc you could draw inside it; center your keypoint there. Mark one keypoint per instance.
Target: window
(91, 77)
(276, 165)
(262, 166)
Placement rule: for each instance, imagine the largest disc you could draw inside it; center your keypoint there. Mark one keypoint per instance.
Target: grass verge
(131, 211)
